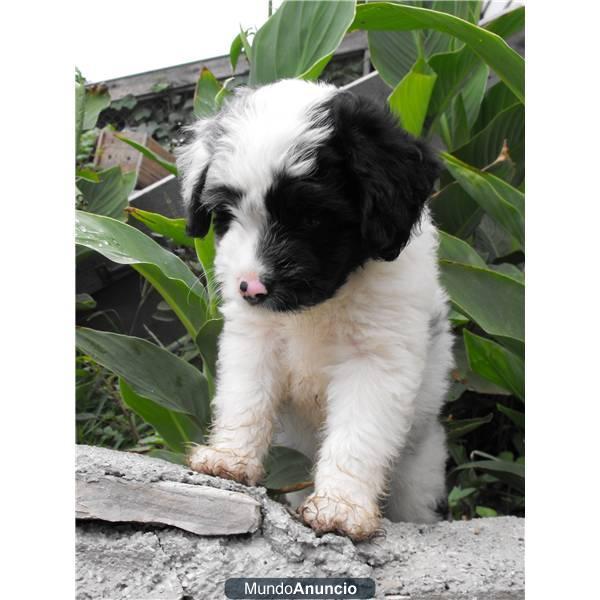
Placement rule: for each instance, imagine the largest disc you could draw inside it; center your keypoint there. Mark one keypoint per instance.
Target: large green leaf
(504, 203)
(456, 250)
(287, 468)
(455, 211)
(495, 363)
(97, 99)
(124, 244)
(109, 196)
(491, 48)
(497, 99)
(176, 428)
(473, 92)
(173, 229)
(393, 53)
(207, 340)
(492, 241)
(79, 112)
(516, 416)
(455, 68)
(508, 126)
(512, 473)
(493, 300)
(207, 94)
(299, 40)
(458, 428)
(151, 371)
(410, 98)
(464, 378)
(168, 166)
(206, 251)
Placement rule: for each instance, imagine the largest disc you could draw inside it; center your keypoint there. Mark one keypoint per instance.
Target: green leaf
(393, 53)
(206, 250)
(454, 211)
(472, 94)
(516, 416)
(457, 124)
(298, 40)
(484, 511)
(458, 428)
(109, 196)
(457, 494)
(456, 67)
(496, 100)
(79, 112)
(205, 95)
(84, 302)
(151, 371)
(456, 250)
(453, 70)
(235, 50)
(495, 363)
(494, 301)
(494, 242)
(285, 468)
(176, 428)
(491, 48)
(168, 166)
(504, 203)
(246, 44)
(124, 244)
(173, 229)
(97, 99)
(87, 174)
(485, 147)
(510, 271)
(410, 98)
(206, 340)
(511, 472)
(172, 457)
(463, 376)
(457, 319)
(507, 24)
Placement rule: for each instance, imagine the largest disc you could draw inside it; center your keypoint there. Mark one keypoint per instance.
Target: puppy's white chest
(310, 351)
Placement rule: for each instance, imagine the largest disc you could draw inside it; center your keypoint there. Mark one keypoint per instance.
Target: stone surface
(480, 559)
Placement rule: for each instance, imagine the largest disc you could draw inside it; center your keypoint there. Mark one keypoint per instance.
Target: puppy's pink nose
(252, 288)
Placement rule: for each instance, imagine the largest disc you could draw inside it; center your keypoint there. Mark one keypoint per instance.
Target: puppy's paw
(333, 513)
(225, 463)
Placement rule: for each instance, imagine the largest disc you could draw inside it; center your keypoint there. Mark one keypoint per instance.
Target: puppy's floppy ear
(193, 164)
(391, 173)
(198, 222)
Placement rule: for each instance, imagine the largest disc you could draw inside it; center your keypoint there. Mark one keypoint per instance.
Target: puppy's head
(303, 183)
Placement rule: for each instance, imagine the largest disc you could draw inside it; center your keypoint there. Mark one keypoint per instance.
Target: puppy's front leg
(243, 407)
(369, 413)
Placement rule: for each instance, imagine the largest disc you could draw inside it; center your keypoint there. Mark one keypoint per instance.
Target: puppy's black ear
(193, 162)
(391, 173)
(198, 222)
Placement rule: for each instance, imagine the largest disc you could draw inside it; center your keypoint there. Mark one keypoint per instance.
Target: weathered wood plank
(132, 496)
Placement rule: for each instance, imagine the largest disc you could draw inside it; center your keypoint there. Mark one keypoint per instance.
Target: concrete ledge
(480, 559)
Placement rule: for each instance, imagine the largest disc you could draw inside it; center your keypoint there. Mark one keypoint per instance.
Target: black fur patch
(362, 201)
(198, 222)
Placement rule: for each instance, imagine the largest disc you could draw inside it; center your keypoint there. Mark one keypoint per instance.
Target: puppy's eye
(311, 221)
(221, 220)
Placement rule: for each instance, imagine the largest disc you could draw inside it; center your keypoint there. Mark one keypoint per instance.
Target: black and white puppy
(336, 339)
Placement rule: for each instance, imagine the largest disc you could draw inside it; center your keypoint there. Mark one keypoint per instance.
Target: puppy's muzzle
(252, 289)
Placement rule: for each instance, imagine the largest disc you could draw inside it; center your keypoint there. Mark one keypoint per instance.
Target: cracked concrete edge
(463, 560)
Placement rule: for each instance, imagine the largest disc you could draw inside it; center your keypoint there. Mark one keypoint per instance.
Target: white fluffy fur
(356, 382)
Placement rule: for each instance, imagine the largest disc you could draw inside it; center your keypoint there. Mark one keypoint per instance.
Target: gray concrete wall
(480, 559)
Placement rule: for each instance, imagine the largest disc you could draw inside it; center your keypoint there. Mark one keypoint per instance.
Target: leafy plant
(437, 61)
